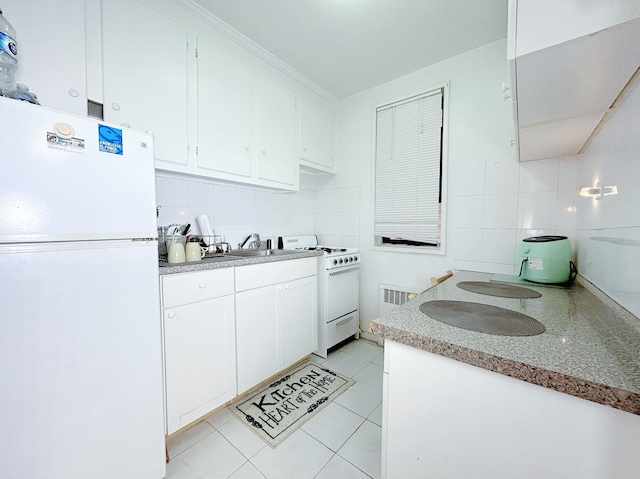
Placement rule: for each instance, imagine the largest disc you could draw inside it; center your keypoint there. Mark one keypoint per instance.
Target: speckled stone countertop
(590, 349)
(230, 261)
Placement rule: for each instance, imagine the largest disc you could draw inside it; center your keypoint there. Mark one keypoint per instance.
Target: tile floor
(340, 442)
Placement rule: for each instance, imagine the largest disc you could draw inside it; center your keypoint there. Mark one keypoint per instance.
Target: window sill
(410, 249)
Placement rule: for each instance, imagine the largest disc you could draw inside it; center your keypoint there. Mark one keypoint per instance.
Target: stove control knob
(355, 258)
(335, 262)
(350, 259)
(340, 261)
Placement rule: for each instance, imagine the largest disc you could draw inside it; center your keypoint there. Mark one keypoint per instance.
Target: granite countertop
(590, 349)
(231, 261)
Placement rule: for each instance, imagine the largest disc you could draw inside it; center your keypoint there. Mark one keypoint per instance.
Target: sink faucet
(254, 243)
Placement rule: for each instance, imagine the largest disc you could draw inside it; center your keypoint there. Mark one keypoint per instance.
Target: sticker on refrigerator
(110, 139)
(68, 144)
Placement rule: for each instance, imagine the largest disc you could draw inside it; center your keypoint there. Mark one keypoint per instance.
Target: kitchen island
(565, 403)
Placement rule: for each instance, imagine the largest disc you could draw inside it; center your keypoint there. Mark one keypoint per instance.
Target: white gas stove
(335, 256)
(338, 290)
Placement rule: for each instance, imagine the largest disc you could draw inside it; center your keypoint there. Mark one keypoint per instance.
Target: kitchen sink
(250, 253)
(210, 259)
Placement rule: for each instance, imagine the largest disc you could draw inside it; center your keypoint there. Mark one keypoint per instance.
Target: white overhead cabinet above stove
(568, 65)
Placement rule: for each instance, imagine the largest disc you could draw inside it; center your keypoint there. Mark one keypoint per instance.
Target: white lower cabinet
(216, 348)
(276, 317)
(199, 344)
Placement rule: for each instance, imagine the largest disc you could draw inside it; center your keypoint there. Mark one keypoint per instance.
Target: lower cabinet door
(258, 336)
(298, 314)
(200, 360)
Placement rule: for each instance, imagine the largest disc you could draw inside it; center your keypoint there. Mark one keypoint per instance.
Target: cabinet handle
(202, 285)
(115, 106)
(74, 93)
(171, 315)
(344, 321)
(247, 146)
(304, 148)
(126, 125)
(286, 286)
(279, 287)
(264, 150)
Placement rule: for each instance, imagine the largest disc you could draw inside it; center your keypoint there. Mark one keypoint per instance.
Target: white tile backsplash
(499, 246)
(199, 194)
(466, 244)
(224, 196)
(500, 211)
(537, 210)
(537, 176)
(238, 209)
(467, 178)
(467, 212)
(502, 176)
(171, 192)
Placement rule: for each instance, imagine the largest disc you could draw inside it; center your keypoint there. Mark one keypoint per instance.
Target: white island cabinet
(560, 404)
(199, 344)
(443, 418)
(276, 317)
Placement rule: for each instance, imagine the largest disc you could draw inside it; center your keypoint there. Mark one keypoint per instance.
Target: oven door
(343, 292)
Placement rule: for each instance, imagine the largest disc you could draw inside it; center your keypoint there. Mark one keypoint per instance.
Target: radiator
(391, 296)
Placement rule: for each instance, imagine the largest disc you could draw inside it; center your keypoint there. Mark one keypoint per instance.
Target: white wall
(483, 173)
(493, 200)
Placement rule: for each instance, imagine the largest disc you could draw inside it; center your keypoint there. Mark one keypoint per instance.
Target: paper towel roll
(205, 229)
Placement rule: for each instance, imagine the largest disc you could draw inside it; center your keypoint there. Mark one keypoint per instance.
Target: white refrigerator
(81, 392)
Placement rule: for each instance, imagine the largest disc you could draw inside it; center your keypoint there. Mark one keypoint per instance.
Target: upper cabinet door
(224, 111)
(145, 75)
(51, 51)
(316, 136)
(277, 158)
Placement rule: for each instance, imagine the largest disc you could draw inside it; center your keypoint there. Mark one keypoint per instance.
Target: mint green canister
(545, 259)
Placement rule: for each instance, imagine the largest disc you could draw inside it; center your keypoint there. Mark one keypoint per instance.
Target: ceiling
(347, 46)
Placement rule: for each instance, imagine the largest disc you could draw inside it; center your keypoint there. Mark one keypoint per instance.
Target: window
(409, 172)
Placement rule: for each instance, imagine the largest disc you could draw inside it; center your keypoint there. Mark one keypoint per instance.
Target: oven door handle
(345, 321)
(344, 271)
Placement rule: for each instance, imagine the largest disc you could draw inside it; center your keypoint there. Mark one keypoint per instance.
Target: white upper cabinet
(277, 159)
(224, 107)
(51, 51)
(569, 63)
(145, 75)
(316, 137)
(246, 121)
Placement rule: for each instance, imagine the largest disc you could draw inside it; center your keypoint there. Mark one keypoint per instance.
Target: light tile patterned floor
(341, 442)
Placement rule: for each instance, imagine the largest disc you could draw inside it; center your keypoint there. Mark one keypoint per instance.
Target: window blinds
(408, 158)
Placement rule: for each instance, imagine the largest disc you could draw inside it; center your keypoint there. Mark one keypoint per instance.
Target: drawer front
(265, 274)
(186, 288)
(341, 328)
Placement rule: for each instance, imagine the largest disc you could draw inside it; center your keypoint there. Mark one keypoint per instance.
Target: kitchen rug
(277, 410)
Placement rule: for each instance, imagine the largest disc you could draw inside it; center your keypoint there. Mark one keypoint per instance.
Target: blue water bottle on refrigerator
(8, 58)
